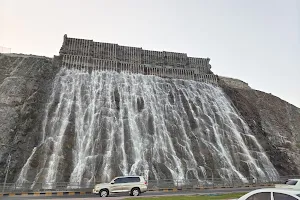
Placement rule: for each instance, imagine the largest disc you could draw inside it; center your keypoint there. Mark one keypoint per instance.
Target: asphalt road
(122, 196)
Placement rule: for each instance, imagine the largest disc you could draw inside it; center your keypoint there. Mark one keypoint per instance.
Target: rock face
(24, 87)
(275, 123)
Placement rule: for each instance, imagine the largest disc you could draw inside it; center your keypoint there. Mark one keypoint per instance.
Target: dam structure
(89, 55)
(113, 110)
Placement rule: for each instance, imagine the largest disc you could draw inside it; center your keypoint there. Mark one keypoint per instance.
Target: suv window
(132, 179)
(279, 196)
(260, 196)
(119, 180)
(291, 182)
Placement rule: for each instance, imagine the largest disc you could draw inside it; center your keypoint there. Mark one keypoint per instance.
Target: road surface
(123, 196)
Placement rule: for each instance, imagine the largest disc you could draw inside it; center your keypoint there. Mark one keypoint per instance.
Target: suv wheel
(135, 192)
(103, 193)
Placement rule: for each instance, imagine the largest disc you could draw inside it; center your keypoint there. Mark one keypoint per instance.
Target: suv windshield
(291, 182)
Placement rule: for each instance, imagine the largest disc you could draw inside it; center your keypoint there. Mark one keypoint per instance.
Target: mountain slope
(275, 123)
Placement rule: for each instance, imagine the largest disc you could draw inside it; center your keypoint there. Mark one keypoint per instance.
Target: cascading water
(103, 124)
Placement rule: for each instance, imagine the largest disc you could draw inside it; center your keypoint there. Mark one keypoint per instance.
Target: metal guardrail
(152, 184)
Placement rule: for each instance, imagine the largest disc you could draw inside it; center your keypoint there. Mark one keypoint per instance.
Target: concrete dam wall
(89, 55)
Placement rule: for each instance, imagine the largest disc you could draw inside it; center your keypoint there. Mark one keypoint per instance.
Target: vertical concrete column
(67, 61)
(84, 63)
(70, 61)
(70, 46)
(79, 62)
(63, 60)
(73, 66)
(81, 48)
(75, 62)
(130, 68)
(78, 46)
(131, 55)
(86, 47)
(97, 64)
(75, 46)
(94, 45)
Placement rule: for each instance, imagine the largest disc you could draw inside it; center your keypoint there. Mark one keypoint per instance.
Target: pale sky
(257, 41)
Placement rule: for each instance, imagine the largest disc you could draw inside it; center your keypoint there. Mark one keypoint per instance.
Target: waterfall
(103, 124)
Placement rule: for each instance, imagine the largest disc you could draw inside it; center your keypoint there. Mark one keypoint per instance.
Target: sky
(257, 41)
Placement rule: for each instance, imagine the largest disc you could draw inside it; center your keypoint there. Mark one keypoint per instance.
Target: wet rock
(24, 87)
(275, 124)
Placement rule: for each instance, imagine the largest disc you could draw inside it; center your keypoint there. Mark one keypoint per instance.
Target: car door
(130, 183)
(117, 185)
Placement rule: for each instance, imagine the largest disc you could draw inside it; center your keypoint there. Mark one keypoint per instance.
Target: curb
(11, 194)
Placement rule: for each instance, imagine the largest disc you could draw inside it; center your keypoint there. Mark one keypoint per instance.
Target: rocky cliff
(25, 82)
(25, 87)
(275, 123)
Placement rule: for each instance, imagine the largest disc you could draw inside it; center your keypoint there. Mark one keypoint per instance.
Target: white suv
(135, 185)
